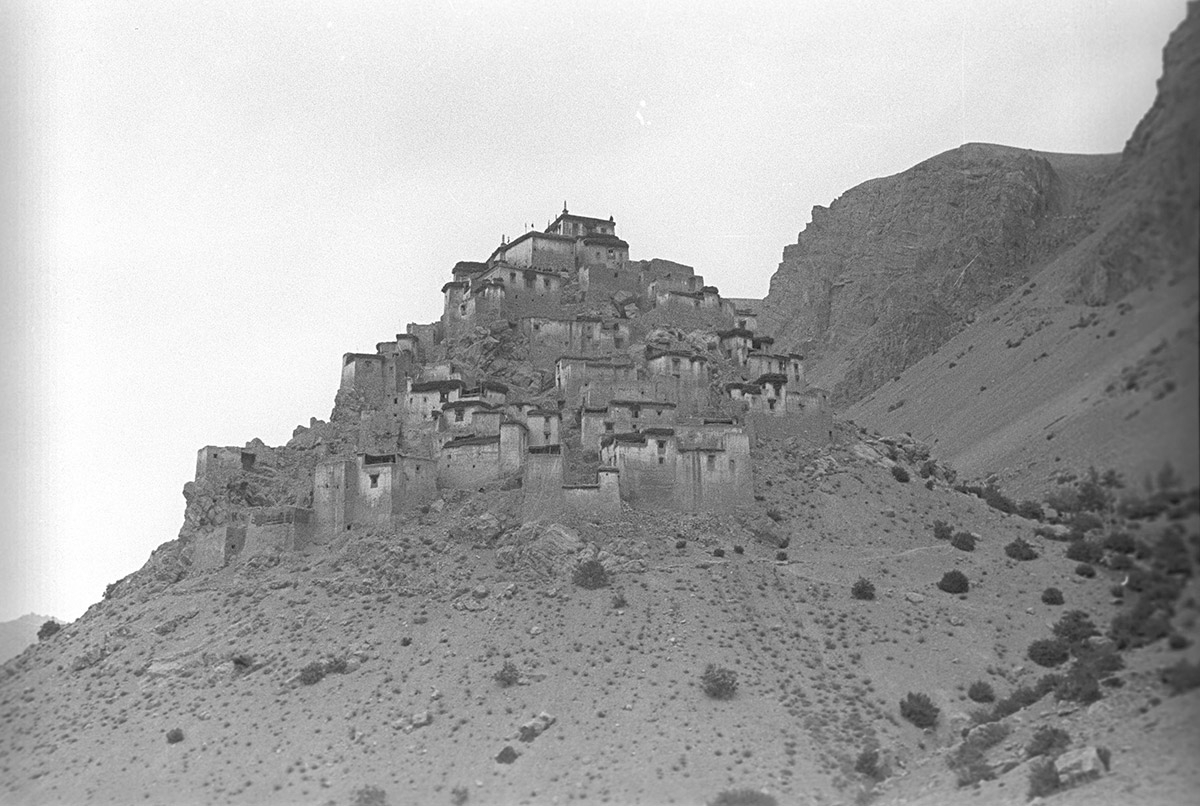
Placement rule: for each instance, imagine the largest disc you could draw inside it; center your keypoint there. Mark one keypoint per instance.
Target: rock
(915, 598)
(437, 506)
(1079, 766)
(957, 621)
(549, 550)
(508, 755)
(510, 590)
(480, 592)
(535, 630)
(535, 727)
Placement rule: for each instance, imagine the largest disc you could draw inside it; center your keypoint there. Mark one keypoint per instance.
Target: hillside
(19, 633)
(1095, 359)
(897, 266)
(408, 629)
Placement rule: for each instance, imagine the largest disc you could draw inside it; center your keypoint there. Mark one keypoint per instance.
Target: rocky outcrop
(898, 265)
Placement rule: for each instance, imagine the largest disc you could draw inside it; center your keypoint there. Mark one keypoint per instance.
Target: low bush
(743, 797)
(1084, 551)
(1052, 596)
(981, 691)
(718, 552)
(590, 575)
(899, 473)
(968, 760)
(954, 582)
(680, 544)
(867, 764)
(1049, 652)
(942, 530)
(718, 682)
(781, 556)
(1022, 697)
(1020, 549)
(863, 589)
(508, 675)
(919, 710)
(1043, 779)
(174, 736)
(1181, 678)
(1120, 542)
(619, 602)
(1085, 522)
(963, 541)
(1120, 562)
(739, 550)
(775, 514)
(1075, 627)
(1030, 510)
(1140, 625)
(1084, 570)
(312, 673)
(1048, 741)
(368, 796)
(48, 629)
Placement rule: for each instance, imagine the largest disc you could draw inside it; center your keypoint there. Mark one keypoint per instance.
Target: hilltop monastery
(637, 385)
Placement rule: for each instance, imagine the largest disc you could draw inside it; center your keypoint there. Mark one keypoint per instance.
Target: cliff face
(896, 266)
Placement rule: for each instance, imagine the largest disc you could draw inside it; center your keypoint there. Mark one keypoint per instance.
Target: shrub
(1049, 652)
(919, 710)
(1030, 510)
(312, 673)
(969, 764)
(718, 552)
(619, 602)
(48, 629)
(368, 796)
(1177, 642)
(1120, 562)
(899, 473)
(1043, 779)
(718, 682)
(1084, 551)
(942, 530)
(781, 556)
(337, 666)
(981, 691)
(590, 575)
(1119, 542)
(954, 582)
(1140, 625)
(680, 544)
(1052, 596)
(863, 589)
(743, 797)
(963, 541)
(775, 514)
(1085, 522)
(1181, 678)
(739, 550)
(1081, 684)
(508, 674)
(1022, 697)
(459, 795)
(1075, 627)
(1084, 570)
(867, 764)
(1048, 741)
(1020, 549)
(174, 736)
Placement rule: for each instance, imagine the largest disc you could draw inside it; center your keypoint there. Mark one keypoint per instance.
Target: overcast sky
(213, 201)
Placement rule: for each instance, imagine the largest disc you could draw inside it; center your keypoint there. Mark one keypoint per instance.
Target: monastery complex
(560, 368)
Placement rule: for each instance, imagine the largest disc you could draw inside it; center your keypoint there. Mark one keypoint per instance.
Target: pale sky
(210, 202)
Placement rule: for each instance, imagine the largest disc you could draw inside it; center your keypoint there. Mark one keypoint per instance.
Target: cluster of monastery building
(661, 422)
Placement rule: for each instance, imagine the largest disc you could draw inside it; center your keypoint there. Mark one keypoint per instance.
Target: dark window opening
(711, 461)
(374, 479)
(458, 415)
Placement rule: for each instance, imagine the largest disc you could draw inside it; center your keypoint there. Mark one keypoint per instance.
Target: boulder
(1079, 766)
(546, 549)
(535, 727)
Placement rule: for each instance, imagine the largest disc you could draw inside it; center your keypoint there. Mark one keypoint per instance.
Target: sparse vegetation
(619, 602)
(918, 709)
(174, 736)
(968, 760)
(743, 797)
(718, 682)
(899, 473)
(942, 530)
(1181, 678)
(312, 673)
(981, 691)
(1084, 570)
(1075, 627)
(508, 675)
(48, 629)
(863, 589)
(954, 582)
(1084, 551)
(963, 541)
(1049, 652)
(1043, 779)
(1048, 741)
(1052, 596)
(1020, 549)
(590, 575)
(368, 796)
(867, 764)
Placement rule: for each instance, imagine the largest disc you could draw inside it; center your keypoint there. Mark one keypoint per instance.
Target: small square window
(374, 479)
